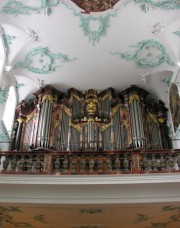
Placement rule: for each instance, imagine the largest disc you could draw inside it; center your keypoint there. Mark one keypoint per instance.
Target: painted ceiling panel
(150, 215)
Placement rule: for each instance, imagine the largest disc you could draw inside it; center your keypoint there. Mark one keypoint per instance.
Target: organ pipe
(92, 120)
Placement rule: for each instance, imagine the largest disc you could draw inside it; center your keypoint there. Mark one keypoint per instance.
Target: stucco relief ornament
(162, 4)
(147, 53)
(158, 29)
(41, 60)
(177, 33)
(16, 7)
(93, 26)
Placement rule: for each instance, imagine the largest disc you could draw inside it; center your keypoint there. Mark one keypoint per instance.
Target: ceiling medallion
(95, 5)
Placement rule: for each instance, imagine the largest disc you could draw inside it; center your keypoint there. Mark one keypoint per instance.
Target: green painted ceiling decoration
(8, 41)
(167, 80)
(101, 22)
(162, 4)
(147, 53)
(46, 60)
(16, 8)
(141, 218)
(177, 33)
(3, 94)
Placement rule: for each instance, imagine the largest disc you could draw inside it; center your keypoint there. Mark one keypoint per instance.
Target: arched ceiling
(91, 44)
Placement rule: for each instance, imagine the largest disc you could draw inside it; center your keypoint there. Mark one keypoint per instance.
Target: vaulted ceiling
(91, 44)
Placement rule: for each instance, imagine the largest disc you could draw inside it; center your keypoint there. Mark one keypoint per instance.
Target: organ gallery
(91, 121)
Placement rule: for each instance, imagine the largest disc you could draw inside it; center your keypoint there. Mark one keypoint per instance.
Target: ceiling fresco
(96, 5)
(91, 216)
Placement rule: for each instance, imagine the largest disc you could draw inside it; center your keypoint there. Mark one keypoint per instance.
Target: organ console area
(90, 121)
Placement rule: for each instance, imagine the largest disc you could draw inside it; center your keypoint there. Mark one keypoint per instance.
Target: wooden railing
(90, 163)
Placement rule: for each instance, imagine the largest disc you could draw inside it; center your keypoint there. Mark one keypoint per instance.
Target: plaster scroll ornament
(158, 29)
(42, 61)
(16, 7)
(146, 5)
(177, 33)
(147, 53)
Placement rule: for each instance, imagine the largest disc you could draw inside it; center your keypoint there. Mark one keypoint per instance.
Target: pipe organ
(91, 121)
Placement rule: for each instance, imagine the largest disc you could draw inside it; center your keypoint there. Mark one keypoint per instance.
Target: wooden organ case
(91, 121)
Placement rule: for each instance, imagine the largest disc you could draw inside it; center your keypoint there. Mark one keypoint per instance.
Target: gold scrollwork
(153, 117)
(77, 97)
(134, 97)
(105, 96)
(29, 117)
(56, 123)
(115, 109)
(47, 97)
(67, 111)
(125, 123)
(77, 127)
(91, 107)
(161, 120)
(20, 120)
(104, 127)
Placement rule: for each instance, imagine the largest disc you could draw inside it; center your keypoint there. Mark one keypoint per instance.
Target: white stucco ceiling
(93, 65)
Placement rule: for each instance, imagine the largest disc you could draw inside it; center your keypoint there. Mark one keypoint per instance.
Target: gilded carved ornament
(104, 127)
(56, 123)
(125, 123)
(47, 97)
(20, 120)
(29, 117)
(115, 109)
(161, 120)
(134, 97)
(76, 126)
(153, 117)
(67, 111)
(91, 107)
(77, 97)
(105, 96)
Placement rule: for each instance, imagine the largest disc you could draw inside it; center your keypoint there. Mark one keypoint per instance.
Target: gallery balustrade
(46, 161)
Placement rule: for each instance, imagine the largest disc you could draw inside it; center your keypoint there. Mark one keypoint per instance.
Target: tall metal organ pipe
(44, 123)
(136, 113)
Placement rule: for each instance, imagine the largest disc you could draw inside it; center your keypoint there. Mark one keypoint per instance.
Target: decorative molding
(145, 78)
(4, 94)
(8, 41)
(167, 79)
(101, 189)
(16, 8)
(144, 58)
(158, 29)
(94, 34)
(162, 4)
(46, 60)
(31, 34)
(177, 33)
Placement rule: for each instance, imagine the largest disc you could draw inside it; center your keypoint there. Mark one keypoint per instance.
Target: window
(9, 111)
